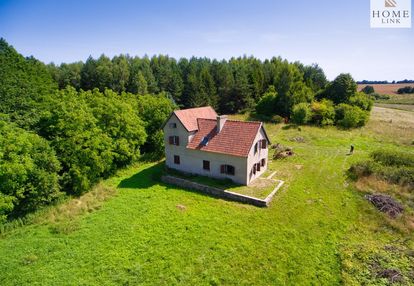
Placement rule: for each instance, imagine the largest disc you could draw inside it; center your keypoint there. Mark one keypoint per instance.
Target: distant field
(385, 88)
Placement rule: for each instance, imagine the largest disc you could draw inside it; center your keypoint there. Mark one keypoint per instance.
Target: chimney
(220, 122)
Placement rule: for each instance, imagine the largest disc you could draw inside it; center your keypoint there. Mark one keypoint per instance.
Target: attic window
(264, 144)
(173, 125)
(255, 148)
(204, 142)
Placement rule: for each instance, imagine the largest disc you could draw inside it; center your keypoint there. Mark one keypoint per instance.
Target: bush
(392, 158)
(276, 119)
(323, 112)
(349, 116)
(377, 96)
(28, 171)
(368, 89)
(361, 100)
(301, 113)
(406, 89)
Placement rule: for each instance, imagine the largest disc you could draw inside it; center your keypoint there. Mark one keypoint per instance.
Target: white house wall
(256, 158)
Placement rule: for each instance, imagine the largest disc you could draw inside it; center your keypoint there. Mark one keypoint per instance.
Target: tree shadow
(145, 178)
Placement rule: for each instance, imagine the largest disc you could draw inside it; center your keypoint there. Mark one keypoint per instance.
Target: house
(199, 141)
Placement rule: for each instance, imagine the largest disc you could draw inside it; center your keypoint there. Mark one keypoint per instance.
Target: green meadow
(133, 229)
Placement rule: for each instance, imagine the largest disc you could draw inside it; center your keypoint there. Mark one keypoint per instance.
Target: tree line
(230, 86)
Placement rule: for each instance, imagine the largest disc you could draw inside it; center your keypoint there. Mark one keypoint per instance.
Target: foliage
(267, 104)
(301, 113)
(368, 89)
(24, 82)
(406, 89)
(93, 133)
(28, 171)
(154, 111)
(393, 166)
(349, 116)
(323, 112)
(361, 100)
(340, 89)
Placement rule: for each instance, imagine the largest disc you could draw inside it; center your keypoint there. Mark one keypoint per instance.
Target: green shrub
(349, 116)
(276, 119)
(361, 169)
(380, 96)
(361, 100)
(323, 112)
(393, 158)
(301, 113)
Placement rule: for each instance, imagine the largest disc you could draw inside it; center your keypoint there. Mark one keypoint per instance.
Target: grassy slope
(315, 224)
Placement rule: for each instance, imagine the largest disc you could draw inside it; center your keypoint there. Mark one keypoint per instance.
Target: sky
(334, 34)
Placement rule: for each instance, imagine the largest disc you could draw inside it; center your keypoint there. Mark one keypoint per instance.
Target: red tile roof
(188, 117)
(236, 137)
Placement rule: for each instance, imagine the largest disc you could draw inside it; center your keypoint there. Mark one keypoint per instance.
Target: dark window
(258, 167)
(173, 125)
(176, 159)
(206, 165)
(227, 169)
(264, 144)
(174, 140)
(255, 148)
(263, 162)
(254, 169)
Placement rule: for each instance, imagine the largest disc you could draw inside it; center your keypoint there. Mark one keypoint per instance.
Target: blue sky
(334, 34)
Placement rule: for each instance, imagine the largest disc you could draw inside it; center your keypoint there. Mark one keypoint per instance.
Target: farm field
(133, 229)
(385, 88)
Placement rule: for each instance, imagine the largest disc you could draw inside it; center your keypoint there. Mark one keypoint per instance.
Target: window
(254, 169)
(258, 167)
(206, 165)
(263, 162)
(227, 169)
(176, 160)
(173, 125)
(174, 140)
(264, 144)
(255, 148)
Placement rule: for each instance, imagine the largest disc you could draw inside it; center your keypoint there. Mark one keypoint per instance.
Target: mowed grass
(150, 233)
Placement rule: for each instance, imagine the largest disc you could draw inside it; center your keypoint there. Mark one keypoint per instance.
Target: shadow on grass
(145, 178)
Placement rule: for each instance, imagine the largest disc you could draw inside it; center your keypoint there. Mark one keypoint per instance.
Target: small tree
(362, 100)
(301, 113)
(368, 89)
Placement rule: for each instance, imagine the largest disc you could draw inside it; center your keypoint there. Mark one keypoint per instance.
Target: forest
(65, 127)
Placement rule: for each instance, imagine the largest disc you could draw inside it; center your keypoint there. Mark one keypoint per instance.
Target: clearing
(319, 229)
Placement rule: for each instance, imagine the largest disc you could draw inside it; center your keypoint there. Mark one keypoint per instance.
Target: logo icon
(390, 3)
(390, 13)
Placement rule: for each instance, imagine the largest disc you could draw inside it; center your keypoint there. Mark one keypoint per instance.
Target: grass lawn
(319, 230)
(260, 188)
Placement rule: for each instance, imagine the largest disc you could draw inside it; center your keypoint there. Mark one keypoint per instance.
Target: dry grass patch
(405, 222)
(395, 125)
(68, 211)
